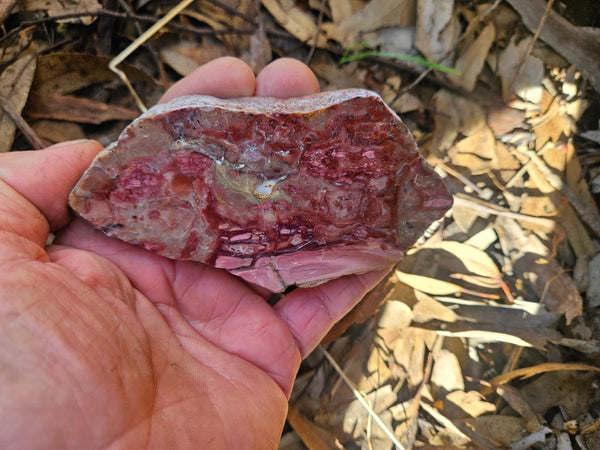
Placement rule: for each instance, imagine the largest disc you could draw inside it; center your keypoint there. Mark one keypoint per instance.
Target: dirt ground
(487, 335)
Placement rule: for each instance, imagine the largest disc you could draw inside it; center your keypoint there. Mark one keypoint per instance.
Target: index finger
(311, 312)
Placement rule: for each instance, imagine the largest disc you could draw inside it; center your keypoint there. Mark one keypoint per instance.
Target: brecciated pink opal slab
(278, 192)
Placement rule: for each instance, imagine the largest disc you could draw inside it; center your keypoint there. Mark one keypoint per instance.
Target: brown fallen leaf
(15, 83)
(53, 8)
(297, 22)
(521, 73)
(53, 131)
(470, 61)
(471, 403)
(528, 372)
(437, 30)
(516, 401)
(552, 284)
(375, 15)
(502, 429)
(75, 109)
(454, 115)
(63, 73)
(311, 434)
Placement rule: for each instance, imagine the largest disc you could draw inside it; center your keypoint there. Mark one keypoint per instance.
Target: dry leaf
(54, 8)
(576, 44)
(525, 324)
(528, 372)
(499, 428)
(521, 78)
(395, 314)
(516, 401)
(429, 285)
(299, 23)
(409, 352)
(446, 375)
(184, 56)
(53, 131)
(471, 60)
(437, 30)
(483, 239)
(503, 118)
(572, 390)
(477, 152)
(549, 281)
(311, 434)
(375, 15)
(428, 308)
(64, 73)
(75, 109)
(472, 402)
(340, 9)
(454, 115)
(15, 82)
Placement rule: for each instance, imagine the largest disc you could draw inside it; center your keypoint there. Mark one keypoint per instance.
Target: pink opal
(278, 192)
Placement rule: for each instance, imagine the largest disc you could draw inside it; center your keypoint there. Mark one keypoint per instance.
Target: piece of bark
(278, 192)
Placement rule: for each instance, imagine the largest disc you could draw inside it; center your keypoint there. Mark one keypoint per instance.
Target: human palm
(103, 344)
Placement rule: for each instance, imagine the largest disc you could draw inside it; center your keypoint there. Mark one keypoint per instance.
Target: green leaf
(348, 56)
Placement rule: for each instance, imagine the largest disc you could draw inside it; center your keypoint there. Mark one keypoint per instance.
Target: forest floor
(487, 335)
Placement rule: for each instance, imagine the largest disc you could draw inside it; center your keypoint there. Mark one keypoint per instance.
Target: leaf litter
(487, 334)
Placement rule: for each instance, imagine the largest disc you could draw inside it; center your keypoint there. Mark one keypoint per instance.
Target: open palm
(106, 345)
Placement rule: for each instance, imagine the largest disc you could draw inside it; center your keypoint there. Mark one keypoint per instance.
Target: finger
(311, 312)
(37, 184)
(225, 77)
(284, 78)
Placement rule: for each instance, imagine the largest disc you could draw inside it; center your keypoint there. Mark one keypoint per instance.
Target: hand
(103, 344)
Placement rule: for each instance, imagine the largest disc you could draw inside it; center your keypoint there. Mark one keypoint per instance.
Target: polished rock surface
(278, 192)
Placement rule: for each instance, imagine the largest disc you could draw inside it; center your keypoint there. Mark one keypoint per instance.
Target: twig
(444, 421)
(456, 174)
(140, 18)
(138, 43)
(490, 208)
(23, 126)
(317, 31)
(360, 397)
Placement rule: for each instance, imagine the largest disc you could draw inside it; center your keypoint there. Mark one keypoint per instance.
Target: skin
(104, 345)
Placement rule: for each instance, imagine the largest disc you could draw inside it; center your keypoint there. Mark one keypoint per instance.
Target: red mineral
(278, 192)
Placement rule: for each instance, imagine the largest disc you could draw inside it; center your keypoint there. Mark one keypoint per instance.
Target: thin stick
(490, 208)
(140, 41)
(360, 397)
(23, 126)
(316, 36)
